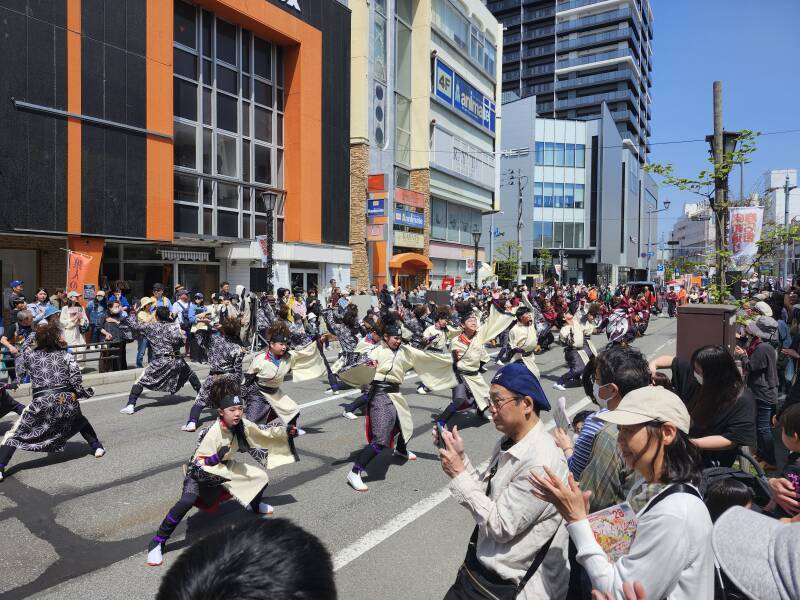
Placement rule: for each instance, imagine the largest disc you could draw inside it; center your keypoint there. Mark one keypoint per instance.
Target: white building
(695, 232)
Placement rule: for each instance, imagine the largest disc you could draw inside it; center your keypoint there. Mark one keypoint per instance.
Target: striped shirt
(582, 451)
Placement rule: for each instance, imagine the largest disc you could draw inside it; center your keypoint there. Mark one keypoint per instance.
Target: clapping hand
(452, 455)
(631, 591)
(569, 500)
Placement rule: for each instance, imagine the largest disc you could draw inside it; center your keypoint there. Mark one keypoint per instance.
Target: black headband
(229, 401)
(278, 337)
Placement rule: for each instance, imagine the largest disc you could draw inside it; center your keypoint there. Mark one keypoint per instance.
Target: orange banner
(77, 271)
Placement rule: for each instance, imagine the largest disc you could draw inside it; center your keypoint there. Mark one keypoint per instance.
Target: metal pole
(491, 238)
(519, 228)
(649, 236)
(270, 240)
(787, 189)
(719, 187)
(475, 266)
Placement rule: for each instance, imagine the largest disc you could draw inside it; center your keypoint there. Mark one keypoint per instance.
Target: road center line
(376, 536)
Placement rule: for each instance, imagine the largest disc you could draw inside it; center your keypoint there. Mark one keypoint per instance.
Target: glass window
(184, 102)
(379, 42)
(208, 23)
(245, 51)
(184, 24)
(559, 158)
(206, 106)
(403, 10)
(578, 195)
(279, 128)
(246, 87)
(263, 164)
(263, 93)
(226, 42)
(569, 231)
(403, 60)
(569, 157)
(208, 221)
(453, 222)
(227, 196)
(185, 218)
(537, 234)
(208, 191)
(490, 57)
(246, 229)
(185, 189)
(185, 145)
(402, 178)
(262, 124)
(245, 119)
(246, 160)
(538, 192)
(226, 79)
(226, 155)
(279, 168)
(558, 195)
(558, 238)
(246, 192)
(279, 66)
(227, 223)
(569, 195)
(184, 63)
(548, 194)
(402, 142)
(438, 219)
(547, 230)
(207, 151)
(260, 225)
(578, 235)
(540, 153)
(208, 77)
(580, 155)
(549, 153)
(262, 55)
(226, 112)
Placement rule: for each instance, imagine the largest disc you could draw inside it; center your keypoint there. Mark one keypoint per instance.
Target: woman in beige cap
(671, 553)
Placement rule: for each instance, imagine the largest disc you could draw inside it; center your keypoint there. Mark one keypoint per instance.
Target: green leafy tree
(506, 263)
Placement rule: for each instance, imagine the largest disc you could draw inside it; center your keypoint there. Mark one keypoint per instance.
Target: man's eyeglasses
(497, 402)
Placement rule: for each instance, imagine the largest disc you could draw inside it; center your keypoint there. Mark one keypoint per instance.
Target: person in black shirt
(720, 405)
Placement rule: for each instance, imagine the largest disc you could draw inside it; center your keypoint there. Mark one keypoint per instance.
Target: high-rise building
(574, 55)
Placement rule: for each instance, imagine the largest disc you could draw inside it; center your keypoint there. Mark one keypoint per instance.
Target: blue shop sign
(408, 218)
(376, 207)
(454, 90)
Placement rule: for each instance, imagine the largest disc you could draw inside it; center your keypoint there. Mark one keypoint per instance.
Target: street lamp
(650, 211)
(476, 237)
(270, 199)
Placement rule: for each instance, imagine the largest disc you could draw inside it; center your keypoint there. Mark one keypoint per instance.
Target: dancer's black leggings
(461, 395)
(8, 404)
(81, 426)
(138, 388)
(359, 401)
(372, 450)
(192, 490)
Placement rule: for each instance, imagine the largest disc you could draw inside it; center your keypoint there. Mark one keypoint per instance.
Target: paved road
(75, 526)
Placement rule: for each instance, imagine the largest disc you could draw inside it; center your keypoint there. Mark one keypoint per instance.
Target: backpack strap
(675, 488)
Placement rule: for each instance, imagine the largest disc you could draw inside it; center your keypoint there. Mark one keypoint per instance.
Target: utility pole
(519, 229)
(786, 191)
(720, 185)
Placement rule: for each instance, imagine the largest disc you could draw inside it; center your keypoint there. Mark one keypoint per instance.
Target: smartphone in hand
(439, 437)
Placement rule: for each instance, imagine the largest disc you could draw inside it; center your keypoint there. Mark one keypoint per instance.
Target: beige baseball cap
(651, 403)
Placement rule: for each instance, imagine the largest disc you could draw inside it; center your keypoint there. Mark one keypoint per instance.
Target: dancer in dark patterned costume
(167, 371)
(225, 355)
(54, 415)
(347, 332)
(213, 475)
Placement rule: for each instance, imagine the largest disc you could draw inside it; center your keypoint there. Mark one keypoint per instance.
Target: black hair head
(222, 387)
(726, 493)
(350, 316)
(230, 327)
(625, 367)
(279, 332)
(230, 564)
(163, 314)
(790, 420)
(722, 382)
(48, 336)
(443, 313)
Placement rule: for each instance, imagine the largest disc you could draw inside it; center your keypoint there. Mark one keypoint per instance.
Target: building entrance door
(304, 278)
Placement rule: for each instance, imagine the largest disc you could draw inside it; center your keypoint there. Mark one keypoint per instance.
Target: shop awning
(410, 259)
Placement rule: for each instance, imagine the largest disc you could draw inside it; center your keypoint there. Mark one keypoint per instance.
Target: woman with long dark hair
(720, 405)
(671, 553)
(54, 414)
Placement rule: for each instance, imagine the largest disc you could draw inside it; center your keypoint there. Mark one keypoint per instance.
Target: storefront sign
(407, 239)
(376, 183)
(376, 233)
(408, 218)
(376, 207)
(453, 89)
(448, 283)
(409, 198)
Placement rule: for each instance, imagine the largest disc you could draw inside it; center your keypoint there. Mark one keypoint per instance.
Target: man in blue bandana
(520, 542)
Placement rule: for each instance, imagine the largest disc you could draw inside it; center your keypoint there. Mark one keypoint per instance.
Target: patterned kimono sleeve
(237, 362)
(75, 377)
(21, 363)
(270, 446)
(203, 337)
(134, 324)
(173, 333)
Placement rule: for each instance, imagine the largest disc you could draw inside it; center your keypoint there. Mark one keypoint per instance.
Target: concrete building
(576, 55)
(695, 232)
(145, 134)
(584, 195)
(424, 132)
(775, 198)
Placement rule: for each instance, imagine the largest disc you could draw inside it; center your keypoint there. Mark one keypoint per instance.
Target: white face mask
(698, 378)
(114, 311)
(602, 402)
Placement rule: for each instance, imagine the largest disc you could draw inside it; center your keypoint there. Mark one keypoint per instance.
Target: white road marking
(411, 514)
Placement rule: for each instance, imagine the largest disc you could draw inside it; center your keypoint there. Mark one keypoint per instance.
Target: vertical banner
(77, 271)
(745, 232)
(470, 265)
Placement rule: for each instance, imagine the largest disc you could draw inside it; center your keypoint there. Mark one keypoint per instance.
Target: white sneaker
(408, 455)
(128, 410)
(191, 426)
(301, 431)
(263, 509)
(99, 452)
(558, 386)
(348, 415)
(329, 391)
(354, 481)
(155, 557)
(421, 390)
(500, 363)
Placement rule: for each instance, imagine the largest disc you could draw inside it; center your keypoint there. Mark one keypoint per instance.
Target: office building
(694, 234)
(424, 131)
(583, 198)
(149, 134)
(575, 55)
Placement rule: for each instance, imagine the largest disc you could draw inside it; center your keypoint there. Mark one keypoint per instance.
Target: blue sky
(753, 47)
